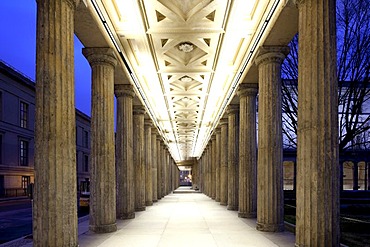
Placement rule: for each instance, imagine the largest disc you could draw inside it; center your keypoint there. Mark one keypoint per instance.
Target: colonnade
(130, 169)
(250, 180)
(250, 176)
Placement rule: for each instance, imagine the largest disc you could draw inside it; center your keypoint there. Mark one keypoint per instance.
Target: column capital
(154, 130)
(100, 56)
(298, 2)
(72, 3)
(224, 121)
(148, 123)
(247, 89)
(231, 109)
(138, 110)
(271, 54)
(218, 130)
(121, 90)
(213, 137)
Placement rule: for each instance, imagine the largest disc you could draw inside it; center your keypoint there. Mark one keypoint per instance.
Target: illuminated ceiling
(185, 58)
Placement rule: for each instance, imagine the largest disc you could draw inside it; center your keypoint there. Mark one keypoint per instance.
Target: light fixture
(186, 47)
(186, 79)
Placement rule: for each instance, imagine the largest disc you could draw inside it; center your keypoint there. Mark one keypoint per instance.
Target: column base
(223, 203)
(126, 216)
(270, 227)
(217, 200)
(155, 201)
(103, 228)
(140, 209)
(247, 215)
(232, 208)
(148, 203)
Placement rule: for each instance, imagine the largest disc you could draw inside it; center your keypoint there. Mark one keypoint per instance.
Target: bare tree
(353, 66)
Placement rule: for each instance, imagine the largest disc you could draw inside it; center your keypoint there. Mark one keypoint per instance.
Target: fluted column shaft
(166, 171)
(224, 162)
(213, 167)
(248, 151)
(233, 157)
(209, 169)
(317, 154)
(159, 168)
(102, 173)
(154, 164)
(125, 206)
(201, 168)
(205, 171)
(148, 162)
(163, 170)
(217, 162)
(55, 209)
(139, 165)
(270, 197)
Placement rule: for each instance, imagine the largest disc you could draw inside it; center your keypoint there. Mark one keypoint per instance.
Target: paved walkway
(186, 219)
(182, 219)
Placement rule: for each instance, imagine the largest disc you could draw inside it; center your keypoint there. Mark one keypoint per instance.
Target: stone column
(170, 170)
(125, 160)
(213, 167)
(217, 163)
(209, 169)
(102, 173)
(317, 154)
(148, 162)
(233, 157)
(160, 168)
(166, 171)
(248, 151)
(201, 172)
(154, 164)
(55, 208)
(159, 162)
(270, 197)
(139, 166)
(224, 161)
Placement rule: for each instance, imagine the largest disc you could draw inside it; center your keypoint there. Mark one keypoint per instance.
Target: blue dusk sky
(18, 47)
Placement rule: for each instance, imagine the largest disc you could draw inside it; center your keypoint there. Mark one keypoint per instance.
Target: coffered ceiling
(185, 58)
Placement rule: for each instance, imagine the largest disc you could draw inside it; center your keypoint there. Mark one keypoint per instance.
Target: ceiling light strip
(132, 75)
(249, 57)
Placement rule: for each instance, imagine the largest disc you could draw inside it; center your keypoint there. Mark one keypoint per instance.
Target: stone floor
(185, 219)
(182, 219)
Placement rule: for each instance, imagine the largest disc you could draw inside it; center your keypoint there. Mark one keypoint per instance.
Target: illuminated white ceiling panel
(185, 56)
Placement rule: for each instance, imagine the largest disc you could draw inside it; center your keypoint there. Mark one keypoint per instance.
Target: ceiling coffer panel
(184, 57)
(185, 36)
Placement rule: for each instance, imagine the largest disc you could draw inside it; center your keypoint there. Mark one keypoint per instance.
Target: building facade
(17, 126)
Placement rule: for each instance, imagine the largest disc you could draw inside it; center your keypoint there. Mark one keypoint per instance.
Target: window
(25, 181)
(86, 139)
(24, 114)
(86, 163)
(23, 153)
